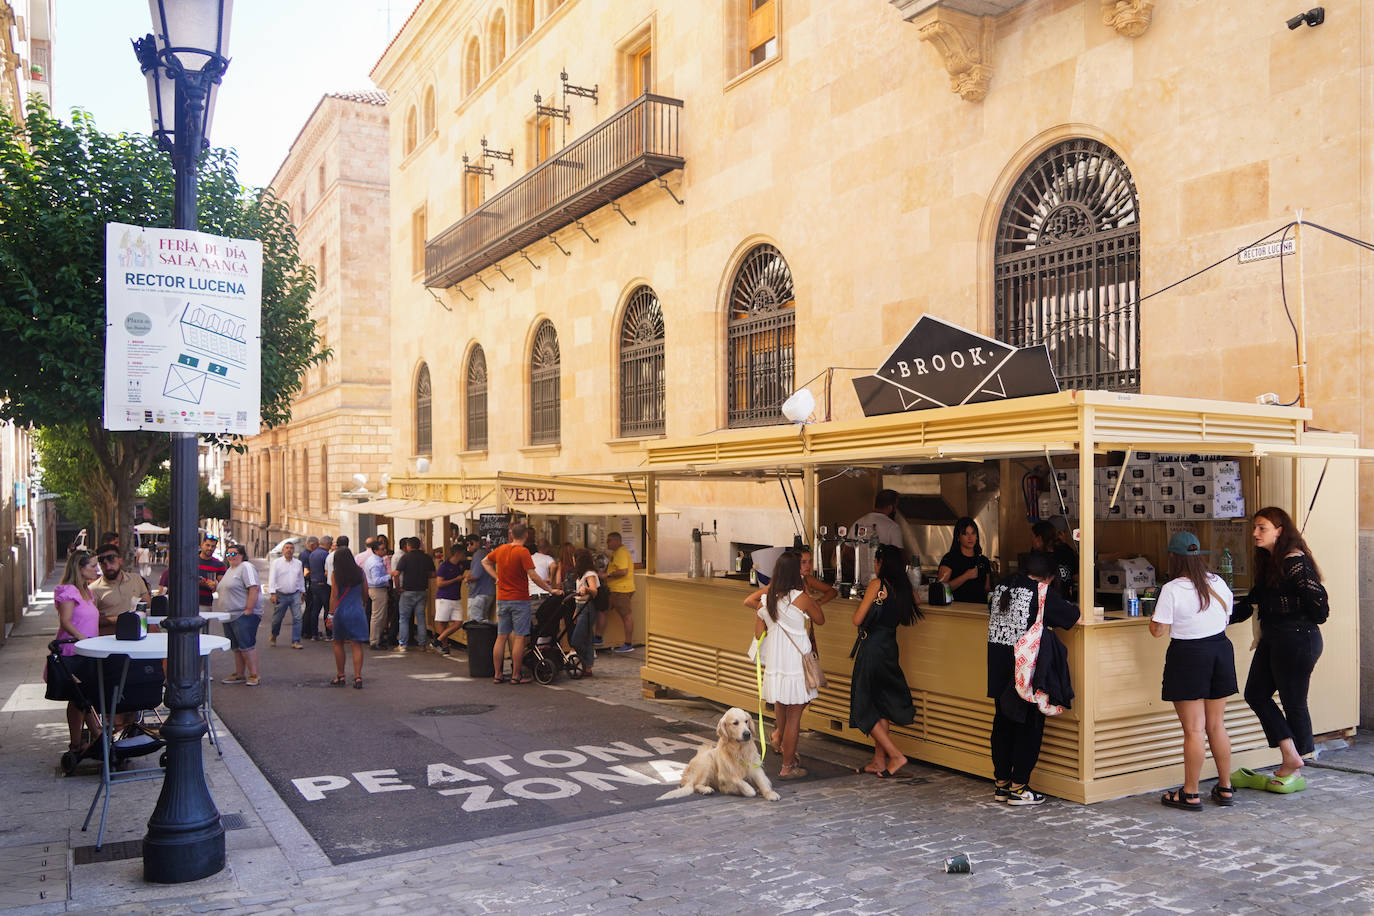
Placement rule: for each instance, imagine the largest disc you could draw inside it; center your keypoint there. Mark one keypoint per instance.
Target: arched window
(303, 477)
(761, 329)
(427, 120)
(641, 365)
(496, 40)
(472, 66)
(408, 146)
(476, 398)
(324, 478)
(1067, 265)
(544, 397)
(523, 11)
(424, 443)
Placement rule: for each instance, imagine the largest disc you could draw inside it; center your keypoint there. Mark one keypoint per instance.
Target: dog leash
(758, 677)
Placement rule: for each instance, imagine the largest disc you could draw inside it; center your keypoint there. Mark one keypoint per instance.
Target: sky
(284, 55)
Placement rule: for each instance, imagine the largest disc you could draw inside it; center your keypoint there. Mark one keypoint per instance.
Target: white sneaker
(1024, 796)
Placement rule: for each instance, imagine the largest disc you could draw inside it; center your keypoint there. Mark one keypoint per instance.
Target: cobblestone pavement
(851, 845)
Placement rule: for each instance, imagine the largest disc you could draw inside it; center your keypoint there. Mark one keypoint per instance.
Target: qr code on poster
(241, 416)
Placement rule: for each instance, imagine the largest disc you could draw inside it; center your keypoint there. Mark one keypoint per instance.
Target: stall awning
(431, 510)
(387, 507)
(593, 509)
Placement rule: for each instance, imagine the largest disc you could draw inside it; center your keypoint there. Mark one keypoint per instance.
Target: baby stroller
(77, 680)
(548, 652)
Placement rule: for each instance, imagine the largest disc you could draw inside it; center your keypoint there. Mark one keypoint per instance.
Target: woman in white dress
(783, 609)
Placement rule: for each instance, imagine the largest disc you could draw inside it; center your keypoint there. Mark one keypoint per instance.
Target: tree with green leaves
(60, 183)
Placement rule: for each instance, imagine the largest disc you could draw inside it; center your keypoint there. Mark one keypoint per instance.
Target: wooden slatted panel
(1136, 743)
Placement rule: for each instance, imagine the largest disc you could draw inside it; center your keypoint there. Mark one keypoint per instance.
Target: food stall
(576, 510)
(1119, 738)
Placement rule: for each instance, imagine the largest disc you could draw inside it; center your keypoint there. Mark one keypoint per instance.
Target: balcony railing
(633, 147)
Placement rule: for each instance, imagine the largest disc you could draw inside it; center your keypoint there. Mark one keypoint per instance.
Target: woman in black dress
(1292, 604)
(964, 569)
(879, 693)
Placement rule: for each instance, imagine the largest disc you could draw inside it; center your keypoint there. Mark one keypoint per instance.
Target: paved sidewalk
(847, 845)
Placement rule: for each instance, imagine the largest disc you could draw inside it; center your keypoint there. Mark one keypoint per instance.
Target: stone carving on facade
(1129, 18)
(965, 44)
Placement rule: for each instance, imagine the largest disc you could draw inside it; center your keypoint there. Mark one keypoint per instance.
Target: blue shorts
(512, 617)
(243, 632)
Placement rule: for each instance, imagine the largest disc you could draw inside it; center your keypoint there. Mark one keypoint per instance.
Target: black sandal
(338, 681)
(1224, 795)
(357, 683)
(1184, 801)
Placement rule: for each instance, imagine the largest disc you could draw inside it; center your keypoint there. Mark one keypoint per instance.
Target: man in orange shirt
(513, 569)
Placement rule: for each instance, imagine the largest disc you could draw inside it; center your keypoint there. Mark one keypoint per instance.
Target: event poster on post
(183, 327)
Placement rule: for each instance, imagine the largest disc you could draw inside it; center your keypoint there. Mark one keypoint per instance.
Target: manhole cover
(457, 709)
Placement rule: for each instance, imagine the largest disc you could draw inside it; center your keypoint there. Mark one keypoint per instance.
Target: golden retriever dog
(730, 766)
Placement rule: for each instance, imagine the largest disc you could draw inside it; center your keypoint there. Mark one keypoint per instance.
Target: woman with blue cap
(1194, 608)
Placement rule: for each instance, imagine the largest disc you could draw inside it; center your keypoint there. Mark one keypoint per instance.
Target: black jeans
(316, 603)
(1016, 745)
(1283, 661)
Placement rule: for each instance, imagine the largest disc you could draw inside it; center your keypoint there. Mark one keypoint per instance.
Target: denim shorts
(243, 632)
(479, 607)
(512, 617)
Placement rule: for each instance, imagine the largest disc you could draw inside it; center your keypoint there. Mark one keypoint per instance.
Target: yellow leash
(758, 676)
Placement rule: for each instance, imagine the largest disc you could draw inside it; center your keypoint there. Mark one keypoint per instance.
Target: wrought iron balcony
(633, 147)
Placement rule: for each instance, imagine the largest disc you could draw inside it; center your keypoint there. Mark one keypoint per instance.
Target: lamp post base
(186, 860)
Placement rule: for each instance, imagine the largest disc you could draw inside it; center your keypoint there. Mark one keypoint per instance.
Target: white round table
(154, 645)
(204, 615)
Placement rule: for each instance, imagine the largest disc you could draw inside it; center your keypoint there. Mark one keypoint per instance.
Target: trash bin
(481, 642)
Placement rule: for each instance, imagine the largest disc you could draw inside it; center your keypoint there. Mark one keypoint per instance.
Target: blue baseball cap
(1185, 544)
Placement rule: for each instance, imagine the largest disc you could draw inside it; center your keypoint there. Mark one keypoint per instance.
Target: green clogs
(1286, 785)
(1245, 778)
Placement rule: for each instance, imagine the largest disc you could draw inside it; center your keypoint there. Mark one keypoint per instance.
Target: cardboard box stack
(1164, 488)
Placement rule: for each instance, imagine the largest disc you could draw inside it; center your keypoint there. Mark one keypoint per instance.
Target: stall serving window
(761, 331)
(1067, 265)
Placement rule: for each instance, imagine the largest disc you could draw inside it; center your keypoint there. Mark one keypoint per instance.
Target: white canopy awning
(150, 528)
(387, 507)
(591, 509)
(430, 510)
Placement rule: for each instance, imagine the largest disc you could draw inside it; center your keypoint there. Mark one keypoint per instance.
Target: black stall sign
(939, 364)
(494, 527)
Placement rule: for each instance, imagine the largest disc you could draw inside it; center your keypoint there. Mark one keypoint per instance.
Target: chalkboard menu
(494, 527)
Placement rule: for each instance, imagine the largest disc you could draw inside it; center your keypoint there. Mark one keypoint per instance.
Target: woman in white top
(243, 600)
(1194, 608)
(783, 609)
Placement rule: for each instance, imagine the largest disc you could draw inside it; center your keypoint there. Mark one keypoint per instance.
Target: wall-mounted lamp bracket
(470, 169)
(581, 91)
(505, 155)
(550, 111)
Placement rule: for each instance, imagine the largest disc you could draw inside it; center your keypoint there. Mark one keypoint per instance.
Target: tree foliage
(157, 493)
(60, 183)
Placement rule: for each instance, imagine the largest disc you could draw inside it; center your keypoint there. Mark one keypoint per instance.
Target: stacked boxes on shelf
(1161, 488)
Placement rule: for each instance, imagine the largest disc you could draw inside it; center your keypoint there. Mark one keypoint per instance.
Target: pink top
(85, 617)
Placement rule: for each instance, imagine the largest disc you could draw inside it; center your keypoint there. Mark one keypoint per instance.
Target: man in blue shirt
(481, 586)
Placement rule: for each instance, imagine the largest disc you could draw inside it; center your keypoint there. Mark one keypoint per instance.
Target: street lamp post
(183, 61)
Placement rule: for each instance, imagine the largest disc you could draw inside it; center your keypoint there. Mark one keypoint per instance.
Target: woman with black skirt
(1292, 604)
(879, 694)
(1194, 608)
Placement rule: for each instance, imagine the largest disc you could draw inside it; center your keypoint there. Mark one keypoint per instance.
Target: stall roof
(431, 510)
(387, 507)
(596, 509)
(1058, 423)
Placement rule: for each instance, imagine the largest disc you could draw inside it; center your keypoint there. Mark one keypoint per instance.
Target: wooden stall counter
(1119, 738)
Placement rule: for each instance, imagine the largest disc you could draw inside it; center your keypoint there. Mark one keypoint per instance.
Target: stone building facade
(819, 174)
(334, 178)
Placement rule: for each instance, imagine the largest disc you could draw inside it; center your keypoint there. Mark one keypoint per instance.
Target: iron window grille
(1067, 266)
(477, 400)
(544, 393)
(424, 441)
(761, 331)
(641, 365)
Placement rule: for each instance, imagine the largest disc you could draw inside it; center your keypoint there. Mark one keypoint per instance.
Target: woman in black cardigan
(1292, 604)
